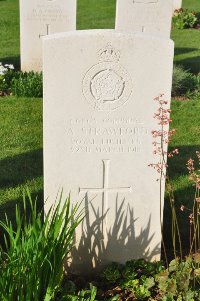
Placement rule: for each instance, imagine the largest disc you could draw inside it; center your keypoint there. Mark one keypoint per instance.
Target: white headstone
(147, 16)
(177, 4)
(99, 90)
(37, 19)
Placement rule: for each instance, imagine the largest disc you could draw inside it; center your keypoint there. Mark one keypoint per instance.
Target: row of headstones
(99, 87)
(39, 18)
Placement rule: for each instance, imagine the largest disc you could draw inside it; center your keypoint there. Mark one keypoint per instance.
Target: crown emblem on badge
(109, 54)
(107, 85)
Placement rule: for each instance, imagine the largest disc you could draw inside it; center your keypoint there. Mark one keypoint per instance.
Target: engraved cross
(105, 190)
(48, 31)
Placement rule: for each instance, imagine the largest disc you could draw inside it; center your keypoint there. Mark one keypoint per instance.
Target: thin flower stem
(193, 240)
(163, 137)
(161, 226)
(179, 236)
(174, 216)
(163, 161)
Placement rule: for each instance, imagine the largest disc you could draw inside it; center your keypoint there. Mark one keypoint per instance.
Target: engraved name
(106, 135)
(47, 13)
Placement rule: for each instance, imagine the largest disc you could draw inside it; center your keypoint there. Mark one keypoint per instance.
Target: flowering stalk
(194, 176)
(161, 139)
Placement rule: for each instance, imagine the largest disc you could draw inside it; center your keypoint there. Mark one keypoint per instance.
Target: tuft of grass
(31, 267)
(27, 84)
(183, 82)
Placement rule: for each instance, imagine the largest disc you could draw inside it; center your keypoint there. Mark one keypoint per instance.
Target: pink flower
(182, 208)
(191, 218)
(174, 152)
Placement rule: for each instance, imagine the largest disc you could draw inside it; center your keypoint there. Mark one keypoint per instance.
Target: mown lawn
(21, 163)
(93, 14)
(9, 32)
(193, 5)
(187, 51)
(187, 42)
(21, 119)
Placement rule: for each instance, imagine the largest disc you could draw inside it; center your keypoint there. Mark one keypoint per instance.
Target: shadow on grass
(183, 223)
(18, 169)
(192, 64)
(15, 171)
(182, 196)
(177, 164)
(181, 50)
(15, 60)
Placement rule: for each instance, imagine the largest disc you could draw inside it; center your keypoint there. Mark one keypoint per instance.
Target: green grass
(9, 32)
(193, 5)
(96, 14)
(187, 48)
(187, 42)
(185, 116)
(21, 148)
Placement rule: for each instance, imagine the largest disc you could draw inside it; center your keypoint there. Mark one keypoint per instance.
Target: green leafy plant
(184, 82)
(31, 267)
(135, 277)
(183, 18)
(179, 280)
(21, 84)
(86, 295)
(27, 84)
(6, 75)
(141, 267)
(141, 292)
(83, 295)
(112, 272)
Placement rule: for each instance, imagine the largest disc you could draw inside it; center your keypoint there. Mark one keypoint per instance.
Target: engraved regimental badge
(107, 86)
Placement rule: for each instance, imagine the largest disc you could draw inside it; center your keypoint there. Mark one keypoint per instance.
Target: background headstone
(37, 19)
(147, 16)
(177, 4)
(99, 90)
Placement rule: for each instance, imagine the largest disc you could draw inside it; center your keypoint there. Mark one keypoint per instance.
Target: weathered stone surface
(177, 4)
(99, 90)
(147, 16)
(37, 19)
